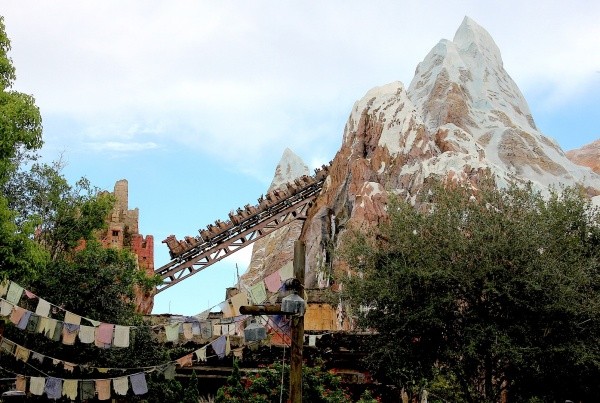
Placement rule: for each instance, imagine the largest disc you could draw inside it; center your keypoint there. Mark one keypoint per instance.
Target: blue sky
(193, 102)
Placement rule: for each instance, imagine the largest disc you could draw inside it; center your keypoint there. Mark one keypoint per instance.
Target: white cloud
(115, 146)
(246, 80)
(241, 258)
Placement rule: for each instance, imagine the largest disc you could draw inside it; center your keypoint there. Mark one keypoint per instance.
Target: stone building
(123, 232)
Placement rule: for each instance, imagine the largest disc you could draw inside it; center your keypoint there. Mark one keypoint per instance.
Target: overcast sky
(195, 101)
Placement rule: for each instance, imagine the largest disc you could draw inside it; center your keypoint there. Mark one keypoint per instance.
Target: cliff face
(587, 156)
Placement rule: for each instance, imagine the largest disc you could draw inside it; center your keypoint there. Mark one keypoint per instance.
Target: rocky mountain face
(462, 115)
(588, 156)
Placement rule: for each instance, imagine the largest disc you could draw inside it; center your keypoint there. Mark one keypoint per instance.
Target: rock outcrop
(587, 156)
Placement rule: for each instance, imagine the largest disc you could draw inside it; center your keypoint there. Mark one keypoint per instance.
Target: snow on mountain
(469, 104)
(289, 168)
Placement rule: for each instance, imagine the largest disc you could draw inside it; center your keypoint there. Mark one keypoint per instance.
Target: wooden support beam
(274, 309)
(297, 330)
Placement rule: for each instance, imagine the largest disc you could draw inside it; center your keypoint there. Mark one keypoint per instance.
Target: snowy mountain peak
(463, 82)
(289, 168)
(272, 252)
(472, 39)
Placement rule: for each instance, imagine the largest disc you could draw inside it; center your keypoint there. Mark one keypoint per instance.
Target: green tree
(20, 134)
(480, 292)
(192, 393)
(21, 258)
(233, 391)
(64, 214)
(20, 119)
(97, 281)
(318, 386)
(367, 397)
(162, 390)
(42, 221)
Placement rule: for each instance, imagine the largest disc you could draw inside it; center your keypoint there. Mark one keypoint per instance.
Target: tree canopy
(20, 119)
(20, 134)
(480, 292)
(63, 214)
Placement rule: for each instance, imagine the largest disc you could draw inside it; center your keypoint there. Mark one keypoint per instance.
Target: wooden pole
(274, 309)
(297, 329)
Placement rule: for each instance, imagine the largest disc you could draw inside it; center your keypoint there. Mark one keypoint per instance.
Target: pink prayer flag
(30, 295)
(104, 333)
(103, 389)
(273, 281)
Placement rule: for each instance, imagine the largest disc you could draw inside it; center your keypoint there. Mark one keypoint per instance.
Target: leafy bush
(266, 386)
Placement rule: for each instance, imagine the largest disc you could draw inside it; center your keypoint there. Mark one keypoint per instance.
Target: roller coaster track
(206, 253)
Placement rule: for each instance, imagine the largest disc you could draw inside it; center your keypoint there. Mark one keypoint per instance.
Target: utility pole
(297, 324)
(297, 329)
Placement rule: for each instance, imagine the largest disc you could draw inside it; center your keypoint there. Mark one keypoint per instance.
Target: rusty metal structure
(278, 208)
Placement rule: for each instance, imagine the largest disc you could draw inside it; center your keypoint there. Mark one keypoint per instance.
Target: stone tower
(122, 232)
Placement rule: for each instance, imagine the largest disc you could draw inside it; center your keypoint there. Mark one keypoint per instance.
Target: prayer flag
(70, 388)
(258, 292)
(43, 308)
(287, 271)
(138, 383)
(121, 385)
(121, 338)
(15, 291)
(273, 281)
(103, 389)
